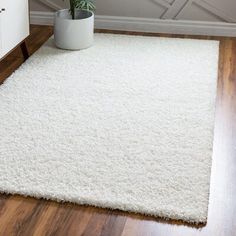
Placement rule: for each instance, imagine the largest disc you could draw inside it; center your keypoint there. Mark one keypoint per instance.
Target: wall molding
(215, 11)
(174, 9)
(163, 3)
(50, 4)
(148, 24)
(178, 7)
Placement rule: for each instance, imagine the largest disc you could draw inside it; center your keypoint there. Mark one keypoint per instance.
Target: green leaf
(87, 5)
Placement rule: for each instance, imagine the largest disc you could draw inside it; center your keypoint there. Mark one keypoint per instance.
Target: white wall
(206, 10)
(214, 13)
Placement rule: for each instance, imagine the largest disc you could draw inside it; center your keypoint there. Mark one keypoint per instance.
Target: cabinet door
(14, 23)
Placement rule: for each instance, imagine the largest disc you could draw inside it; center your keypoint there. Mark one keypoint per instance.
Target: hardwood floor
(28, 216)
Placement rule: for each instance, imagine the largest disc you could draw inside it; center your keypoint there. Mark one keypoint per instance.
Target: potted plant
(74, 27)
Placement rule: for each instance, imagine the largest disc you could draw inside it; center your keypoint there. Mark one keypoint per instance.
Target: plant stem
(72, 9)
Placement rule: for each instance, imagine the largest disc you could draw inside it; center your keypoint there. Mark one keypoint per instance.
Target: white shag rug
(126, 124)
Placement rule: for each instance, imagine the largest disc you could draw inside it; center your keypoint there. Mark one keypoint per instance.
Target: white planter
(73, 34)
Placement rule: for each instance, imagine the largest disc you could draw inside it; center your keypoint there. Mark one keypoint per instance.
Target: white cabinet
(14, 24)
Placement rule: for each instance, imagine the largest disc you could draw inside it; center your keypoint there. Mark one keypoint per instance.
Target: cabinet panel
(1, 51)
(14, 23)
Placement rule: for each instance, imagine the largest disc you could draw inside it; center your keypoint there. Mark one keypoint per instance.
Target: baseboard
(148, 25)
(41, 18)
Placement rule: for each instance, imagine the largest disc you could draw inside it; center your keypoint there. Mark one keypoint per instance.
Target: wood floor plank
(114, 224)
(27, 216)
(79, 220)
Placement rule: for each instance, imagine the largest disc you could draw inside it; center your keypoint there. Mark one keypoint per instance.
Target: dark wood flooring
(28, 216)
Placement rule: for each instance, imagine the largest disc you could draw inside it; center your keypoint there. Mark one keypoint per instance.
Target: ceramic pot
(74, 34)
